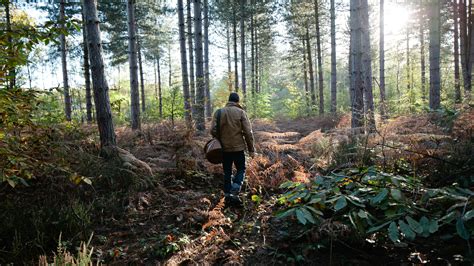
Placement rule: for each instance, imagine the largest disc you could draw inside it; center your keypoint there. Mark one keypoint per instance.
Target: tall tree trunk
(206, 60)
(252, 48)
(242, 48)
(87, 75)
(132, 60)
(311, 73)
(160, 91)
(234, 32)
(435, 55)
(99, 83)
(382, 61)
(257, 62)
(305, 77)
(464, 46)
(333, 59)
(156, 78)
(367, 66)
(191, 53)
(229, 59)
(471, 51)
(408, 59)
(170, 70)
(320, 60)
(184, 67)
(457, 83)
(357, 80)
(140, 68)
(200, 85)
(422, 53)
(67, 96)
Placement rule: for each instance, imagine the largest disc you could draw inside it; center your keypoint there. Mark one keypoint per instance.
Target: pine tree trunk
(434, 55)
(67, 96)
(170, 70)
(320, 60)
(252, 49)
(206, 60)
(11, 70)
(367, 66)
(132, 59)
(357, 121)
(464, 46)
(457, 84)
(191, 53)
(242, 48)
(408, 59)
(229, 59)
(333, 59)
(471, 51)
(422, 54)
(257, 62)
(184, 66)
(200, 85)
(305, 77)
(383, 113)
(87, 75)
(234, 32)
(160, 94)
(99, 83)
(140, 67)
(311, 73)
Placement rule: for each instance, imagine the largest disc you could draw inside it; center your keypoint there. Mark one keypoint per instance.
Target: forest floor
(183, 220)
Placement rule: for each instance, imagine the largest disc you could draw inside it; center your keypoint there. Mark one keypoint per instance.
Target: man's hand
(252, 154)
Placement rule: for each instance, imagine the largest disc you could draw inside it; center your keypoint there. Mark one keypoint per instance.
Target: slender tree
(383, 113)
(200, 85)
(67, 96)
(457, 83)
(310, 64)
(132, 59)
(464, 46)
(170, 70)
(184, 67)
(367, 65)
(99, 83)
(234, 32)
(87, 76)
(435, 55)
(160, 88)
(320, 60)
(11, 70)
(191, 52)
(229, 58)
(206, 60)
(242, 47)
(140, 69)
(305, 76)
(333, 59)
(356, 76)
(422, 52)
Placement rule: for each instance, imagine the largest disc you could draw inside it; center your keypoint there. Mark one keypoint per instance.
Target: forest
(361, 111)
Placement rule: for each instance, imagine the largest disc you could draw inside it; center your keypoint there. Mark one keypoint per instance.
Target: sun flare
(396, 18)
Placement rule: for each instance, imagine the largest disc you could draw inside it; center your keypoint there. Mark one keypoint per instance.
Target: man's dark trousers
(233, 185)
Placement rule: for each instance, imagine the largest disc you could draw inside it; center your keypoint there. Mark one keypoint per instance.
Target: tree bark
(320, 60)
(184, 66)
(140, 68)
(200, 85)
(383, 113)
(408, 58)
(206, 60)
(305, 77)
(191, 53)
(333, 59)
(11, 79)
(422, 53)
(234, 32)
(367, 65)
(229, 59)
(67, 96)
(252, 48)
(311, 73)
(99, 83)
(435, 55)
(170, 70)
(357, 121)
(87, 75)
(464, 46)
(132, 60)
(160, 96)
(242, 48)
(457, 83)
(257, 63)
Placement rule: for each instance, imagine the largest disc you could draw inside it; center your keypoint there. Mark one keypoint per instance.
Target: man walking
(235, 136)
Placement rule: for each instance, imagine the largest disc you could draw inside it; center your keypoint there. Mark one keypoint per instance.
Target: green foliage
(372, 201)
(260, 105)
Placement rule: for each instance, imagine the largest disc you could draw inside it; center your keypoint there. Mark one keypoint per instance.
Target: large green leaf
(284, 214)
(396, 194)
(378, 227)
(468, 215)
(425, 224)
(380, 197)
(308, 216)
(414, 225)
(393, 233)
(433, 226)
(341, 203)
(461, 229)
(316, 212)
(300, 216)
(406, 230)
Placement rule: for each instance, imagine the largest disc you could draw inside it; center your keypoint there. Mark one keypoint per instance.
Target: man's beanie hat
(234, 97)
